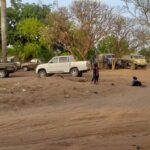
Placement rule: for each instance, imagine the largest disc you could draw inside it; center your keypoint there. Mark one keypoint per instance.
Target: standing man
(95, 77)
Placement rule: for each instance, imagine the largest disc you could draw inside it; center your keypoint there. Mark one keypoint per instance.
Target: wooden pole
(4, 30)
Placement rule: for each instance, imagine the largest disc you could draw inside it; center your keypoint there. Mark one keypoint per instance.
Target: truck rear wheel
(74, 72)
(2, 73)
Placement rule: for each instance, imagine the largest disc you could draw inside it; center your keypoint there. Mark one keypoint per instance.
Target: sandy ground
(66, 113)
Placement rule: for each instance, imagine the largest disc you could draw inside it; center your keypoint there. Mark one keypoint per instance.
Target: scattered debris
(74, 88)
(11, 92)
(67, 96)
(87, 92)
(134, 136)
(24, 90)
(17, 84)
(95, 92)
(82, 80)
(138, 147)
(3, 89)
(61, 76)
(112, 84)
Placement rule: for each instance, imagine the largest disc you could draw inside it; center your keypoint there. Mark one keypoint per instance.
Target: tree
(139, 9)
(0, 37)
(35, 11)
(146, 52)
(16, 4)
(111, 44)
(122, 35)
(94, 20)
(19, 11)
(58, 32)
(79, 31)
(29, 43)
(3, 30)
(28, 30)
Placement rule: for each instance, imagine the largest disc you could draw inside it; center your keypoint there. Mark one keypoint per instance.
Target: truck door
(53, 65)
(64, 64)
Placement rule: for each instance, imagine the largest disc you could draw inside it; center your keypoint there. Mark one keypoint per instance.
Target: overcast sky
(67, 2)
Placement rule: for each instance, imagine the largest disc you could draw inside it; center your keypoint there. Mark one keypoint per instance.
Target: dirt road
(65, 113)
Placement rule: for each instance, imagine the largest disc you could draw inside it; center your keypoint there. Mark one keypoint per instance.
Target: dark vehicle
(30, 65)
(105, 60)
(6, 69)
(13, 60)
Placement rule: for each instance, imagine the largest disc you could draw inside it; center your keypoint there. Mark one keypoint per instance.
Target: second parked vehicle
(63, 64)
(135, 61)
(30, 65)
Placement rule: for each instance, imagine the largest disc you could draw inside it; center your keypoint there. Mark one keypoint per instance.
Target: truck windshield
(54, 60)
(138, 57)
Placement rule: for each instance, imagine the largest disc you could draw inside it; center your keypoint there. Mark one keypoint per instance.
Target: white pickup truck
(63, 64)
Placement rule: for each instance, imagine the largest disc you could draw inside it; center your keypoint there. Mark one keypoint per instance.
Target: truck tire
(144, 67)
(7, 74)
(74, 72)
(2, 73)
(133, 67)
(25, 68)
(42, 73)
(80, 74)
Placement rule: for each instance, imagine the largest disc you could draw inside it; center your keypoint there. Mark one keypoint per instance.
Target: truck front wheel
(74, 72)
(7, 74)
(134, 67)
(80, 74)
(2, 73)
(42, 73)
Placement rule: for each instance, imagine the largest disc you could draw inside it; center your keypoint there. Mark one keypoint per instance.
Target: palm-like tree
(3, 30)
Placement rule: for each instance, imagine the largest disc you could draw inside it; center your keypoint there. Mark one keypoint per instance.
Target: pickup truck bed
(6, 69)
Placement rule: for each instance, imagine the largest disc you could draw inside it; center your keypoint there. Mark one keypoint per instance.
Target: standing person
(95, 77)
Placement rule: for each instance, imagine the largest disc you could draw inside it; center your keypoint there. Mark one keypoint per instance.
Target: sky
(115, 3)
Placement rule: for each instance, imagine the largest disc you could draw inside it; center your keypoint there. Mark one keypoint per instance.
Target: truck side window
(63, 59)
(55, 60)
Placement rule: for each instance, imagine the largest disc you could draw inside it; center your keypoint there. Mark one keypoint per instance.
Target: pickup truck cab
(63, 64)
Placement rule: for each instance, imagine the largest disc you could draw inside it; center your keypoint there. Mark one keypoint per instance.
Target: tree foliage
(28, 29)
(140, 11)
(146, 52)
(113, 45)
(37, 30)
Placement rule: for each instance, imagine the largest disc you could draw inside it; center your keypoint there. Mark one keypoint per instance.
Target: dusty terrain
(65, 113)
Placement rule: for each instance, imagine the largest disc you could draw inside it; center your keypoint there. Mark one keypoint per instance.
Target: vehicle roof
(64, 56)
(107, 54)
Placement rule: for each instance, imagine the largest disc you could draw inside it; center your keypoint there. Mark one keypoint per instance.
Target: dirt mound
(65, 113)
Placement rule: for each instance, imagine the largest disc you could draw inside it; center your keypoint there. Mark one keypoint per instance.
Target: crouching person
(136, 82)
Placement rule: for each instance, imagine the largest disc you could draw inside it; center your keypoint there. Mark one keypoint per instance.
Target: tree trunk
(3, 30)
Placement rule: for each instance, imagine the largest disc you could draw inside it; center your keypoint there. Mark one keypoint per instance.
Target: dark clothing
(95, 77)
(136, 83)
